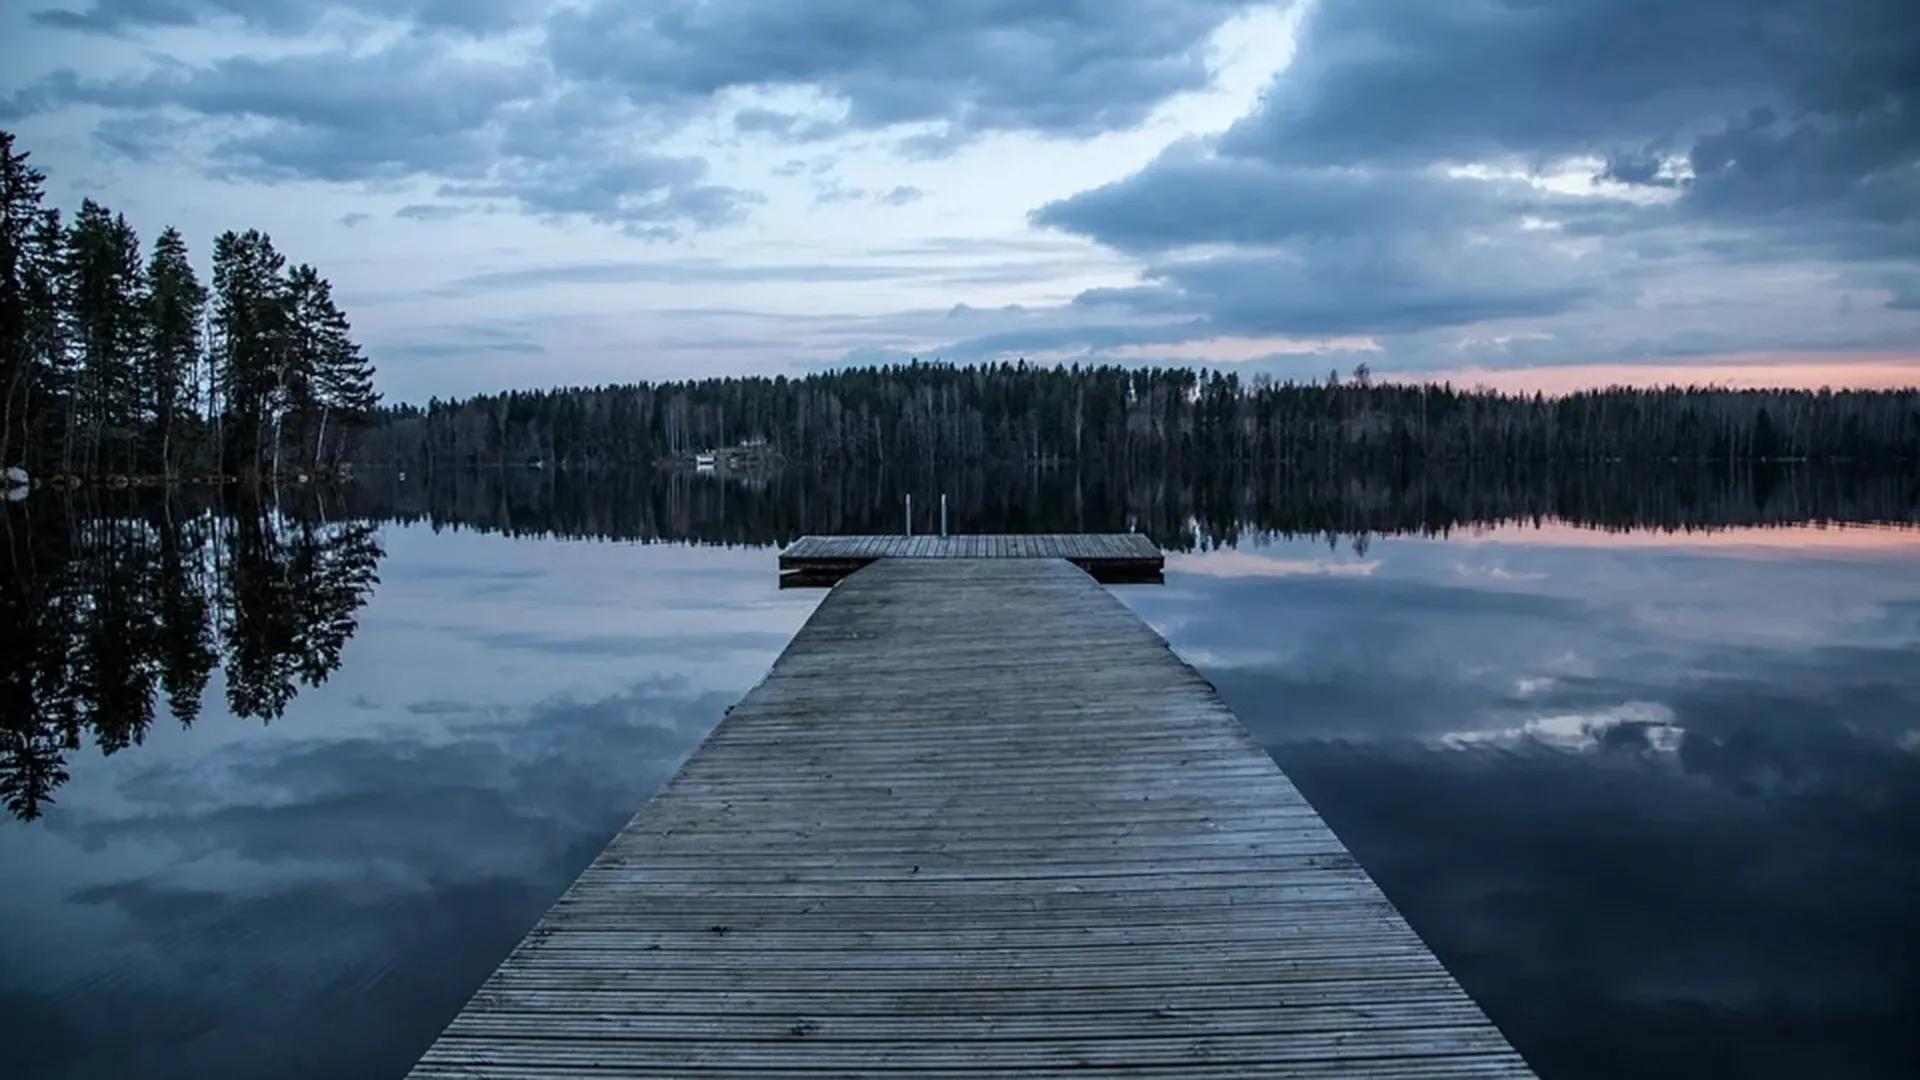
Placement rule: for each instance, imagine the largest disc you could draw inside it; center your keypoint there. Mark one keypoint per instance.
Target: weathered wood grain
(977, 820)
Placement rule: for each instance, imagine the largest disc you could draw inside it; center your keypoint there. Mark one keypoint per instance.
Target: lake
(1639, 758)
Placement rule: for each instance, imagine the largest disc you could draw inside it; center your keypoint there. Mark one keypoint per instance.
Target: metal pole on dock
(943, 515)
(909, 515)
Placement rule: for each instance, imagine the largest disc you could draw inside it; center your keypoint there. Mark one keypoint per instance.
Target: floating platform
(978, 820)
(1113, 558)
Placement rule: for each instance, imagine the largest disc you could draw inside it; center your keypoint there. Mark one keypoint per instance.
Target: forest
(920, 415)
(117, 364)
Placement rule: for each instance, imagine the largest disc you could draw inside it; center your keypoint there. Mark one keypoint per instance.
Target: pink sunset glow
(1865, 371)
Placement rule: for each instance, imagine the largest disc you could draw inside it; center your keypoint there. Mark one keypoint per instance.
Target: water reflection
(1653, 795)
(116, 602)
(1656, 805)
(1180, 511)
(105, 613)
(227, 898)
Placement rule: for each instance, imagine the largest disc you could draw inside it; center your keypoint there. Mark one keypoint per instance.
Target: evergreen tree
(333, 379)
(340, 379)
(250, 312)
(21, 186)
(47, 359)
(175, 302)
(106, 327)
(108, 360)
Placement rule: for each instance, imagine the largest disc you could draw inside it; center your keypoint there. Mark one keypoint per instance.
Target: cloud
(435, 350)
(331, 115)
(469, 338)
(1646, 169)
(1255, 201)
(1786, 106)
(287, 17)
(673, 270)
(1857, 175)
(792, 127)
(1378, 80)
(484, 130)
(354, 218)
(1061, 69)
(836, 192)
(645, 193)
(828, 194)
(429, 212)
(1903, 290)
(1395, 179)
(1379, 285)
(137, 137)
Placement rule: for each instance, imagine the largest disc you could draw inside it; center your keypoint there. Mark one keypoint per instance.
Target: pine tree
(336, 380)
(175, 303)
(106, 326)
(46, 344)
(307, 300)
(250, 314)
(21, 186)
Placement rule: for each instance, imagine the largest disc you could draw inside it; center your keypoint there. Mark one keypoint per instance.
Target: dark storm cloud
(983, 65)
(280, 16)
(1645, 169)
(331, 115)
(1378, 80)
(486, 130)
(1862, 167)
(1784, 129)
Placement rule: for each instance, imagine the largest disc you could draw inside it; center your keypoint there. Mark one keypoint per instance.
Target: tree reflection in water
(111, 604)
(115, 600)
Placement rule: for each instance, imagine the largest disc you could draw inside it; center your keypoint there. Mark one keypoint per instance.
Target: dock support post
(909, 515)
(943, 515)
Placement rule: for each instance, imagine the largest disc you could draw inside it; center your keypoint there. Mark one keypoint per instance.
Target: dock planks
(977, 819)
(1110, 557)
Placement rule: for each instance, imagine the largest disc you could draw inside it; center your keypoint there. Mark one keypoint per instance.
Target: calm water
(1653, 796)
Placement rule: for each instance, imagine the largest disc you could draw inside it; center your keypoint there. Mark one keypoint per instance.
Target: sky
(1526, 194)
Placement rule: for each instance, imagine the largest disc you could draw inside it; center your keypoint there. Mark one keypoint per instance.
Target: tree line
(107, 609)
(115, 362)
(920, 415)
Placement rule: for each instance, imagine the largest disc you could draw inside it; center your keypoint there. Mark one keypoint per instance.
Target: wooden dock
(979, 819)
(1110, 557)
